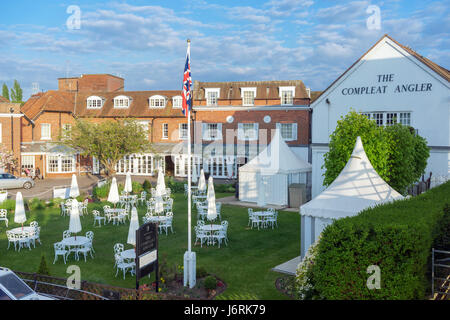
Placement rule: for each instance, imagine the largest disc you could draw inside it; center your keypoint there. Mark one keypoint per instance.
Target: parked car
(9, 181)
(14, 288)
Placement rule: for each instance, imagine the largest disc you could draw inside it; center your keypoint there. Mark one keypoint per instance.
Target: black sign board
(146, 251)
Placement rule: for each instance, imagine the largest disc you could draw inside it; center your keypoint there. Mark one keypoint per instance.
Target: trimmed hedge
(397, 237)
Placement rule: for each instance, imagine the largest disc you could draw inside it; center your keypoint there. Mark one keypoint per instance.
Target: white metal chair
(143, 198)
(98, 217)
(35, 236)
(272, 220)
(124, 266)
(218, 208)
(4, 216)
(67, 234)
(12, 239)
(250, 216)
(87, 248)
(84, 207)
(200, 235)
(34, 224)
(90, 236)
(23, 240)
(167, 223)
(219, 236)
(60, 250)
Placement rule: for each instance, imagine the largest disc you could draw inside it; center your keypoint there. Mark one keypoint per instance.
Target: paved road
(44, 188)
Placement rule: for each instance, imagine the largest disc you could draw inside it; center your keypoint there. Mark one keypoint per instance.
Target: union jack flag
(187, 84)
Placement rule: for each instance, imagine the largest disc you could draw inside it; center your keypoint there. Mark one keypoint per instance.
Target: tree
(397, 154)
(343, 141)
(43, 268)
(7, 159)
(16, 93)
(107, 141)
(5, 91)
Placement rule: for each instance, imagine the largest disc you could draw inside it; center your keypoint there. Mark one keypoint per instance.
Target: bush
(8, 204)
(224, 188)
(175, 186)
(101, 192)
(397, 237)
(137, 187)
(201, 272)
(210, 283)
(43, 269)
(397, 154)
(36, 204)
(147, 186)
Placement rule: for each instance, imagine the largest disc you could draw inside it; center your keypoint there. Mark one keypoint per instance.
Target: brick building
(231, 122)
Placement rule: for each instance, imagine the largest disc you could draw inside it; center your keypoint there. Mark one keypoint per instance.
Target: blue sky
(145, 41)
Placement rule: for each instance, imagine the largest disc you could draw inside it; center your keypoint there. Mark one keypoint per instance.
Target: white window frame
(212, 90)
(60, 160)
(181, 131)
(29, 164)
(241, 131)
(177, 102)
(45, 137)
(287, 89)
(122, 105)
(93, 102)
(164, 135)
(206, 131)
(381, 117)
(243, 91)
(157, 102)
(294, 126)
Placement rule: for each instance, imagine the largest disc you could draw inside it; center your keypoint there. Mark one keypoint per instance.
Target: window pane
(249, 98)
(286, 97)
(52, 163)
(286, 131)
(212, 98)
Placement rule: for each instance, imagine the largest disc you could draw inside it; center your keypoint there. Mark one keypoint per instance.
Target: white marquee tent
(357, 187)
(266, 178)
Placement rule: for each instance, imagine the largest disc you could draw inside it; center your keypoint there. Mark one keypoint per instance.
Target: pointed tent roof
(357, 187)
(277, 157)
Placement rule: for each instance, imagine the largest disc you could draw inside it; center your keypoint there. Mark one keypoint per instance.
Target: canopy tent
(269, 174)
(357, 187)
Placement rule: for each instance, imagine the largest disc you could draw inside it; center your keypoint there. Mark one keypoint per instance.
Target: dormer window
(157, 102)
(94, 102)
(121, 102)
(177, 102)
(212, 96)
(287, 95)
(248, 96)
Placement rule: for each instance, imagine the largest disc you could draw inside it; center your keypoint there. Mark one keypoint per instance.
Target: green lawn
(245, 264)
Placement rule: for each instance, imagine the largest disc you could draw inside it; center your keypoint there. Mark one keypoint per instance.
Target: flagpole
(189, 162)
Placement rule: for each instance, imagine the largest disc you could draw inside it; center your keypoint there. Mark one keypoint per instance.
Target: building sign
(384, 86)
(146, 250)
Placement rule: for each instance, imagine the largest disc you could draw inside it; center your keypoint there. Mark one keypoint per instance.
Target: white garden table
(75, 242)
(129, 254)
(26, 231)
(210, 229)
(263, 215)
(116, 213)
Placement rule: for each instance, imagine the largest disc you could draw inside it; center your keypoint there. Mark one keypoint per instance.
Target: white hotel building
(390, 82)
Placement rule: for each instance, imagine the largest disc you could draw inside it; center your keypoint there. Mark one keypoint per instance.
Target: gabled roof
(277, 157)
(443, 72)
(357, 187)
(52, 100)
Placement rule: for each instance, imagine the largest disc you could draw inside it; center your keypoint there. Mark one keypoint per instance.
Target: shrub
(397, 237)
(101, 192)
(8, 204)
(137, 187)
(43, 269)
(224, 188)
(36, 204)
(304, 287)
(147, 185)
(210, 283)
(175, 186)
(397, 154)
(201, 272)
